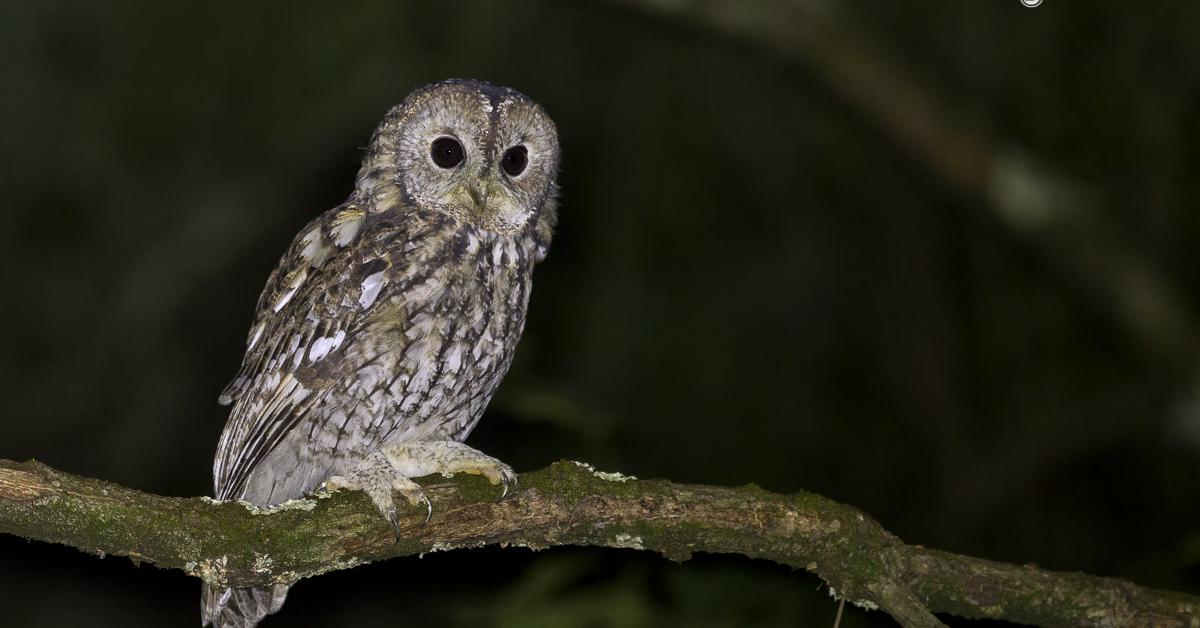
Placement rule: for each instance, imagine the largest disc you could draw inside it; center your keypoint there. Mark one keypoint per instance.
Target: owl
(387, 326)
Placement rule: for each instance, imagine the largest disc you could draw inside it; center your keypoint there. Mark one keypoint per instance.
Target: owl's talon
(509, 479)
(393, 519)
(418, 498)
(415, 498)
(415, 495)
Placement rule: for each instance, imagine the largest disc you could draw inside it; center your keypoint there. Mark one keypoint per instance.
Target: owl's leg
(447, 457)
(376, 477)
(390, 468)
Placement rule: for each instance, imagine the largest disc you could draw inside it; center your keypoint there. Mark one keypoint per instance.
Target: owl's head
(483, 153)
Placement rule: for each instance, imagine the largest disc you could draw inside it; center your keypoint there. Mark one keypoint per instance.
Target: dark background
(957, 291)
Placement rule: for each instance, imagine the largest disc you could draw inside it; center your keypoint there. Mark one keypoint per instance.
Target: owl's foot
(376, 477)
(389, 469)
(448, 457)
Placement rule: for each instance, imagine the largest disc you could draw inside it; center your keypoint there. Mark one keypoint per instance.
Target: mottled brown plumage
(390, 321)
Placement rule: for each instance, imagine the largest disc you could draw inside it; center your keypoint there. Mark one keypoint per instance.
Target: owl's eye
(446, 152)
(514, 160)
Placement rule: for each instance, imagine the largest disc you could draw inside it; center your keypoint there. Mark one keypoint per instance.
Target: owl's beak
(478, 196)
(483, 196)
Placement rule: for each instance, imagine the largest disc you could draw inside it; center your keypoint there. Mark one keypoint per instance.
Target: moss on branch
(567, 504)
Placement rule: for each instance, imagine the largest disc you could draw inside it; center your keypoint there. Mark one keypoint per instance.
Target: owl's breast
(439, 337)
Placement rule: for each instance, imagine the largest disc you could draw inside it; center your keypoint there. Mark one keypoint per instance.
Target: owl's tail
(239, 608)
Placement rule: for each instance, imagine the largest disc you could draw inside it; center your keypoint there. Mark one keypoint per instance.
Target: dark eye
(446, 152)
(514, 160)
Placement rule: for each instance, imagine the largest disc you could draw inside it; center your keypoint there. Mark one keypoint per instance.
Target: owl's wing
(307, 312)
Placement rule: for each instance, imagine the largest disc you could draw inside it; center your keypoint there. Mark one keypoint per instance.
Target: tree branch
(1049, 210)
(568, 503)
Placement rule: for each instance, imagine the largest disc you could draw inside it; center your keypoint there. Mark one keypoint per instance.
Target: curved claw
(428, 509)
(396, 526)
(509, 480)
(419, 498)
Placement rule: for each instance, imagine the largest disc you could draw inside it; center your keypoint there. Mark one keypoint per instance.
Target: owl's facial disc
(486, 155)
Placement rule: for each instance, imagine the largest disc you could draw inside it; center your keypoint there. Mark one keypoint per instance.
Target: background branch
(568, 504)
(1059, 216)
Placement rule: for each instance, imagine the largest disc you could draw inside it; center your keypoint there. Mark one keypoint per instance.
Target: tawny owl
(390, 321)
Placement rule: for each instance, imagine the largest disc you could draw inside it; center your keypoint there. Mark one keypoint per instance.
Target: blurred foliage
(751, 282)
